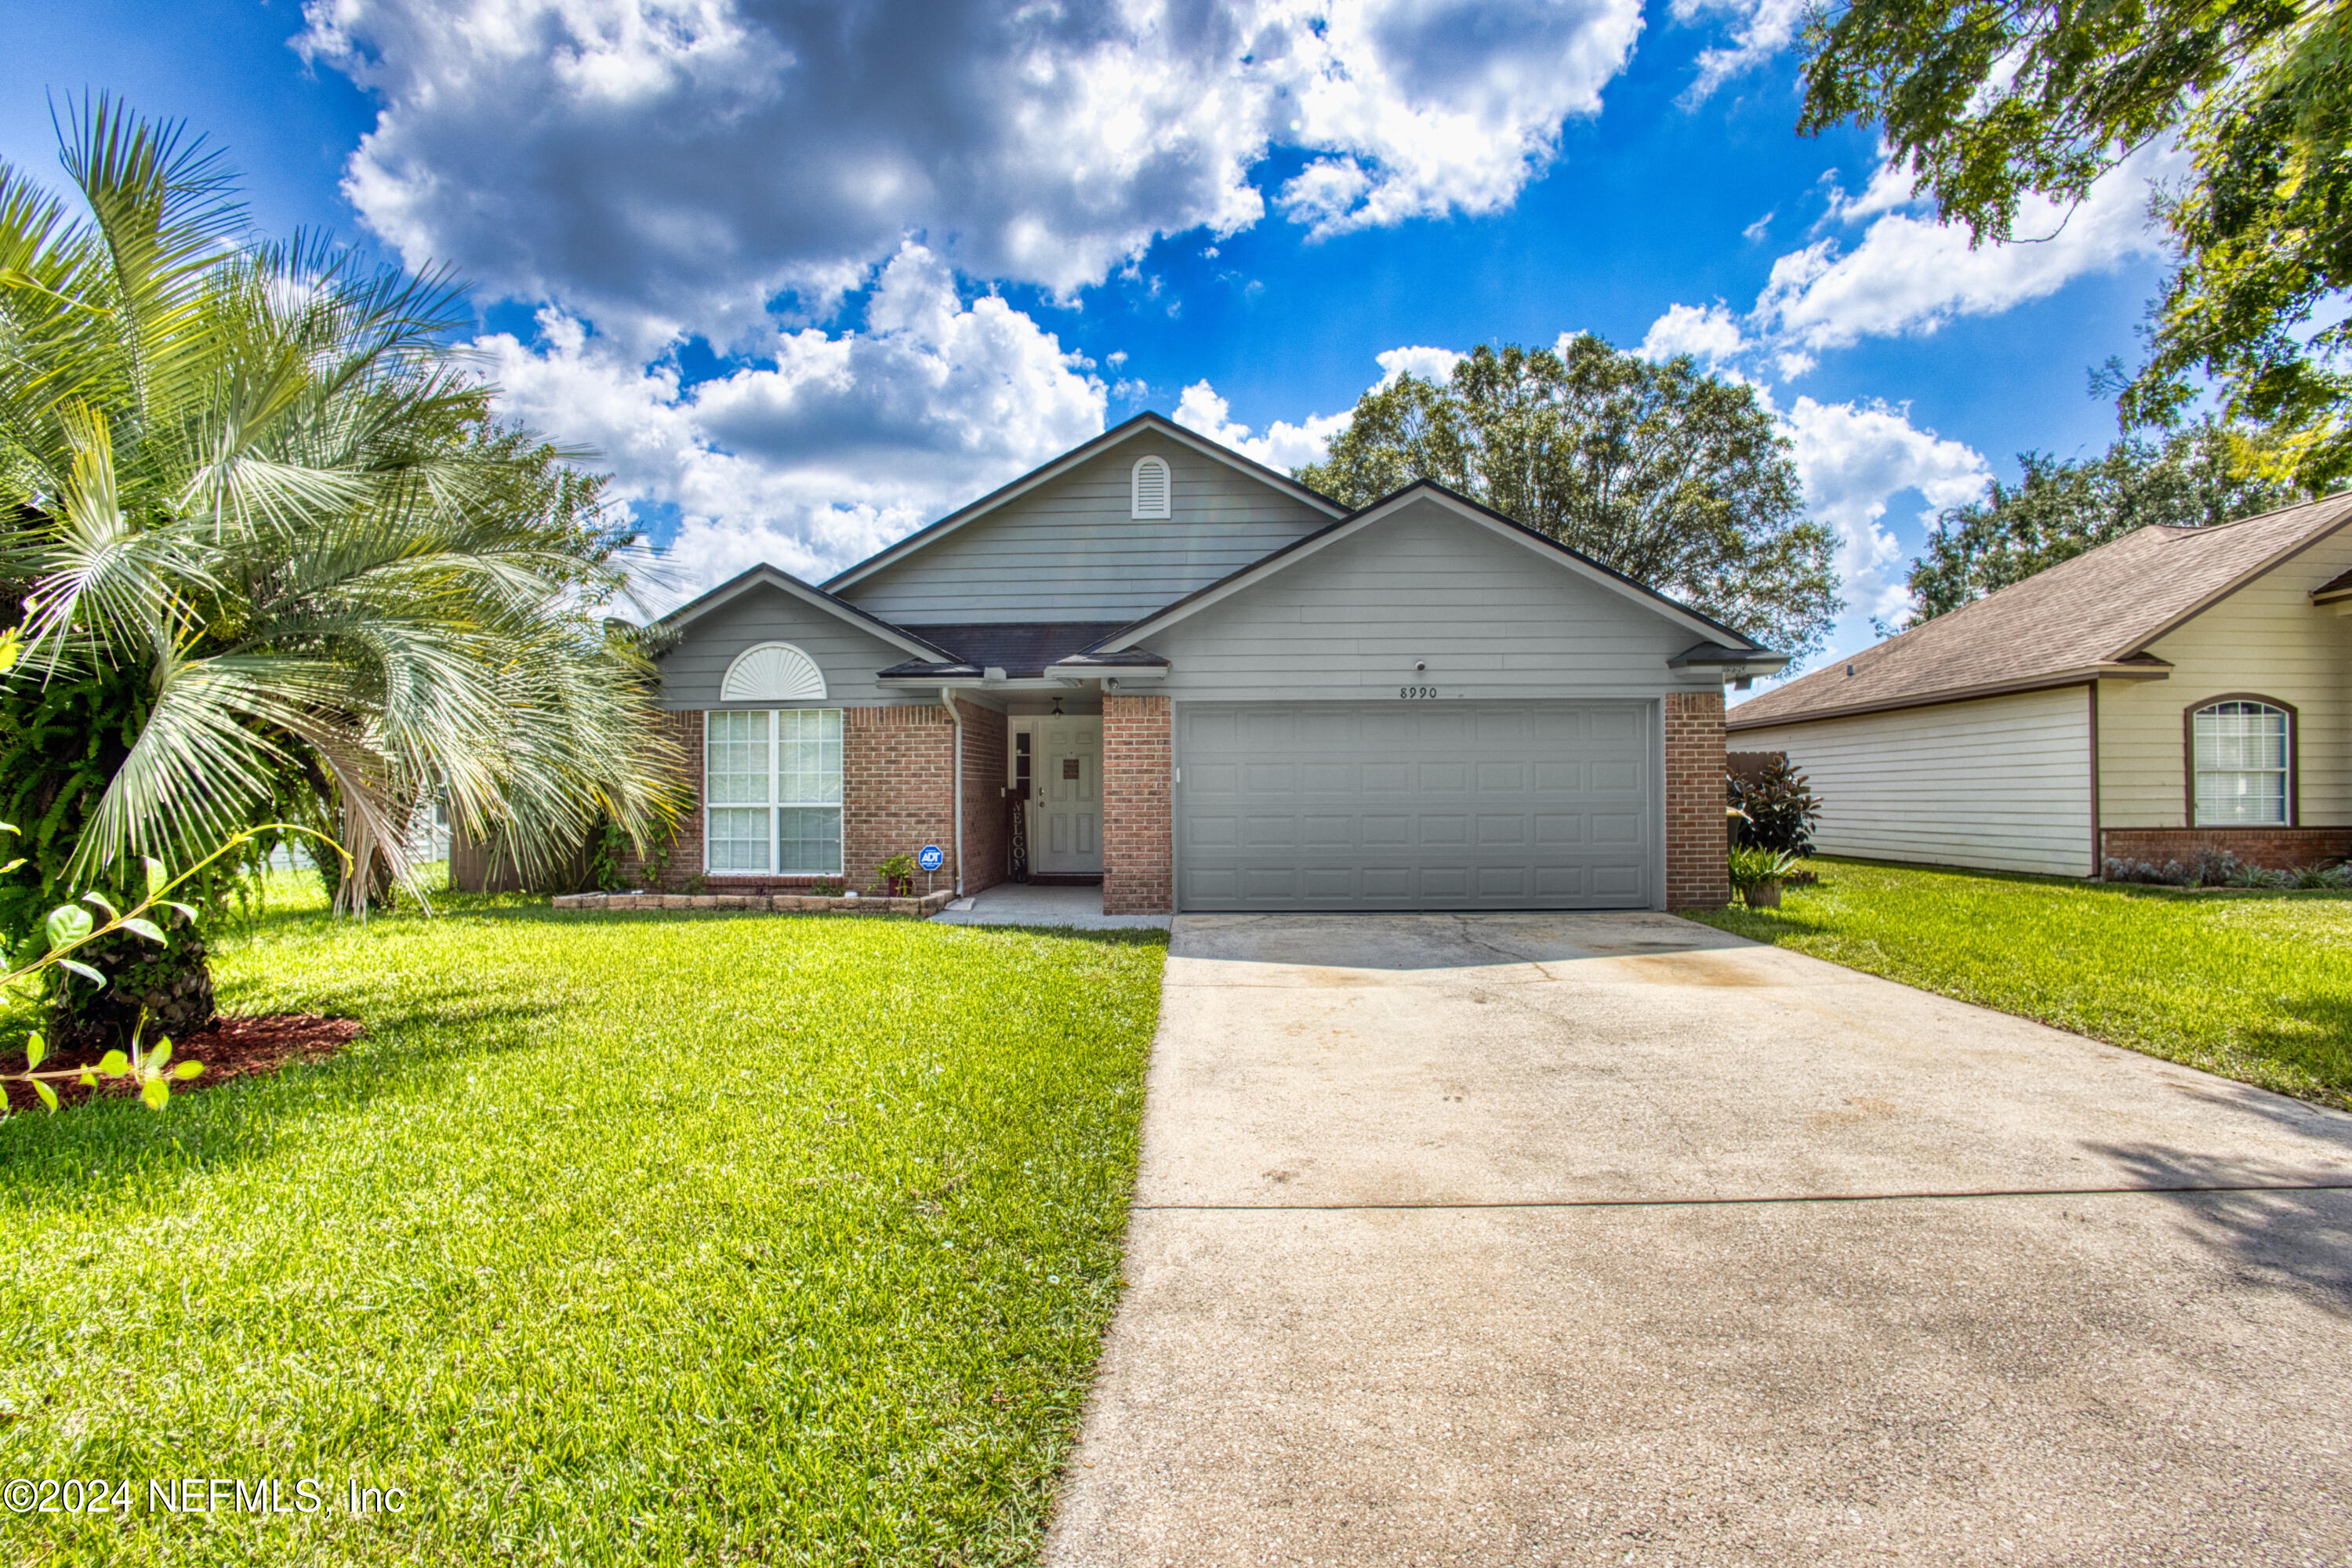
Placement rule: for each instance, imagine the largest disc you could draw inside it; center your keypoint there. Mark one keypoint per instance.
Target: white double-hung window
(2239, 750)
(771, 791)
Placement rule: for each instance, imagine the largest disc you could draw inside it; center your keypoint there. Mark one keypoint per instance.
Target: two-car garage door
(1410, 804)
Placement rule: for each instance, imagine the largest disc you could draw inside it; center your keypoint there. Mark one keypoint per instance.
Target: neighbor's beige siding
(2267, 639)
(2003, 783)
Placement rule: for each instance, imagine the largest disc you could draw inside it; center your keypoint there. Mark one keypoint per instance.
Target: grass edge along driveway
(2255, 986)
(699, 1239)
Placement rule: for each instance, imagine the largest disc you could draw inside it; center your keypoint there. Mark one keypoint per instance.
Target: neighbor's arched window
(2238, 753)
(1150, 488)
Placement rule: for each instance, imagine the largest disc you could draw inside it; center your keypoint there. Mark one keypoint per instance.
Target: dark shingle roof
(1021, 649)
(2092, 615)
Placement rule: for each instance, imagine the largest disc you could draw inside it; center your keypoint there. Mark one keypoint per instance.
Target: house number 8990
(1410, 692)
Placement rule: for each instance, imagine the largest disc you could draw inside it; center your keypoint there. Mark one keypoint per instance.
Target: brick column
(1697, 840)
(984, 796)
(1139, 844)
(898, 787)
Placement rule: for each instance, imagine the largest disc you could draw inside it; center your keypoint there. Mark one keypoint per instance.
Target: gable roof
(770, 576)
(1145, 422)
(2085, 618)
(1355, 523)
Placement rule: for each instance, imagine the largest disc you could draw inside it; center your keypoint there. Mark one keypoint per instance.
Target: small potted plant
(897, 876)
(1757, 873)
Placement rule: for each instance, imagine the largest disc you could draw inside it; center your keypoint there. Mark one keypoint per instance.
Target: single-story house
(2175, 690)
(1202, 684)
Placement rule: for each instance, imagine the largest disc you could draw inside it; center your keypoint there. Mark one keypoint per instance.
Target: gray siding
(1490, 617)
(691, 672)
(1067, 550)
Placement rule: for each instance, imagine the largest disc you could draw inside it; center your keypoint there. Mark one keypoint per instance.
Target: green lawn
(2256, 985)
(619, 1239)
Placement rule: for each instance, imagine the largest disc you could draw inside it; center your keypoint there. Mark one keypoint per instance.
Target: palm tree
(271, 551)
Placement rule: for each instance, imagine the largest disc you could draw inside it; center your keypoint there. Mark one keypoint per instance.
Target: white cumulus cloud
(1709, 333)
(1430, 364)
(670, 166)
(829, 446)
(1855, 459)
(1761, 28)
(1910, 274)
(1284, 445)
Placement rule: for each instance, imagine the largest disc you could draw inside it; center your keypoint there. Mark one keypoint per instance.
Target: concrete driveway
(1538, 1239)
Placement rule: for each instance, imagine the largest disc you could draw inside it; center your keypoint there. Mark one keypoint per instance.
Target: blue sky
(808, 276)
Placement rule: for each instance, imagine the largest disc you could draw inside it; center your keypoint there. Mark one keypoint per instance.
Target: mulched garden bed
(229, 1047)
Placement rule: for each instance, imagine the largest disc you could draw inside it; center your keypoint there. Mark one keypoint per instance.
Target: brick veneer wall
(684, 858)
(1697, 877)
(1138, 846)
(898, 787)
(983, 797)
(2279, 849)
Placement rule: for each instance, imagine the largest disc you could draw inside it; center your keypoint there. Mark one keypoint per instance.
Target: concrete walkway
(1558, 1239)
(1029, 904)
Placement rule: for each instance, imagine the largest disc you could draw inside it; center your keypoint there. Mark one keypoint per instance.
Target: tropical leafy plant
(68, 934)
(1774, 809)
(272, 550)
(1753, 866)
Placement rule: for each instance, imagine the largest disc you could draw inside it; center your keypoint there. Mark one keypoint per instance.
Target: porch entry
(1060, 757)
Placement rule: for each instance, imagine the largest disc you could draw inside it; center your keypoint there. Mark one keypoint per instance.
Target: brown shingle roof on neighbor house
(2091, 617)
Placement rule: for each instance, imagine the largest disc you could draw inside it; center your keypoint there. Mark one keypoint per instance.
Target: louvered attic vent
(1150, 486)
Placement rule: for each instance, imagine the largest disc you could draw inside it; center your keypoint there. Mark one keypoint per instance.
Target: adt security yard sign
(931, 860)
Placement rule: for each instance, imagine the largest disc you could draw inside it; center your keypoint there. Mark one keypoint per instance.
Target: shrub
(2220, 869)
(1778, 810)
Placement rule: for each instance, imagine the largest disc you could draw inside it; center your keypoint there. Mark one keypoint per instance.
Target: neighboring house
(2175, 690)
(1223, 691)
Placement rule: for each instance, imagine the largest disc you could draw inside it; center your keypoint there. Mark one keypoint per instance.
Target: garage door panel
(1441, 831)
(1561, 881)
(1209, 780)
(1444, 778)
(1269, 778)
(1616, 778)
(1502, 778)
(1328, 778)
(1408, 805)
(1209, 832)
(1557, 776)
(1269, 832)
(1269, 883)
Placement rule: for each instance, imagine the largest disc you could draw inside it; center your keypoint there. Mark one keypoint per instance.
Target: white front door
(1066, 798)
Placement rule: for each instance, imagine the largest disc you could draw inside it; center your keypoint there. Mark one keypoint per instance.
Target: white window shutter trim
(773, 672)
(1150, 488)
